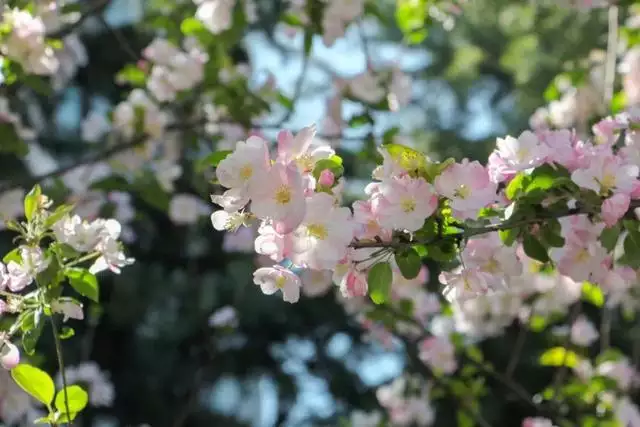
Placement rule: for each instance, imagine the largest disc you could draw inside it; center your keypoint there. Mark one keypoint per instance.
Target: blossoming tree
(536, 247)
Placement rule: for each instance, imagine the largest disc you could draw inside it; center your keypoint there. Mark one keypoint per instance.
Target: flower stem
(56, 340)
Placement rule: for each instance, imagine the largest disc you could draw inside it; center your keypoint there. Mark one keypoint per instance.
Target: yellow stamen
(408, 205)
(280, 281)
(283, 195)
(463, 192)
(318, 231)
(246, 172)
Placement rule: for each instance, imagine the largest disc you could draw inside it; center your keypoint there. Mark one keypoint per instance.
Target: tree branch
(95, 9)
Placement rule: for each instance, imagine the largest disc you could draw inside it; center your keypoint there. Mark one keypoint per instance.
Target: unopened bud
(327, 178)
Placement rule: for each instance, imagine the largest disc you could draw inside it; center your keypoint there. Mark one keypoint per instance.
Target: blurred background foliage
(476, 78)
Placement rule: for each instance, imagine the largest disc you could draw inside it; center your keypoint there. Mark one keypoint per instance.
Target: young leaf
(559, 356)
(84, 283)
(31, 202)
(379, 279)
(76, 399)
(515, 186)
(14, 256)
(214, 159)
(593, 294)
(31, 331)
(35, 382)
(57, 215)
(409, 263)
(534, 249)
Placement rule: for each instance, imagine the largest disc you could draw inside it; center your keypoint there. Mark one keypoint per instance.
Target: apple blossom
(404, 203)
(583, 333)
(281, 198)
(439, 354)
(468, 186)
(272, 279)
(322, 238)
(614, 208)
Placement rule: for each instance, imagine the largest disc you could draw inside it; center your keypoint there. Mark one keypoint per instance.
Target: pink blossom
(464, 283)
(280, 198)
(561, 148)
(614, 208)
(290, 147)
(581, 262)
(439, 354)
(537, 422)
(525, 152)
(405, 203)
(490, 255)
(272, 244)
(272, 279)
(247, 167)
(583, 333)
(605, 174)
(622, 371)
(324, 235)
(468, 186)
(367, 221)
(316, 282)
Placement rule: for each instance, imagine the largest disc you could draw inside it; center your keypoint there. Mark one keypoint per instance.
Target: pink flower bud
(327, 178)
(10, 356)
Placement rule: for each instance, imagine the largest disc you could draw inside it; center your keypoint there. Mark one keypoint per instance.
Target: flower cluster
(26, 43)
(173, 70)
(295, 199)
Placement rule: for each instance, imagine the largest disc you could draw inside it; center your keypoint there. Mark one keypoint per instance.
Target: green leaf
(132, 75)
(57, 215)
(409, 263)
(593, 294)
(84, 283)
(11, 141)
(32, 330)
(35, 382)
(37, 83)
(464, 419)
(285, 101)
(559, 356)
(14, 256)
(66, 333)
(550, 234)
(631, 249)
(516, 186)
(214, 159)
(609, 237)
(407, 158)
(191, 26)
(333, 163)
(360, 120)
(509, 236)
(76, 399)
(534, 249)
(32, 201)
(434, 169)
(112, 183)
(379, 280)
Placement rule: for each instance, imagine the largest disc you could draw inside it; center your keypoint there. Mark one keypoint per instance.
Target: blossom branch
(471, 232)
